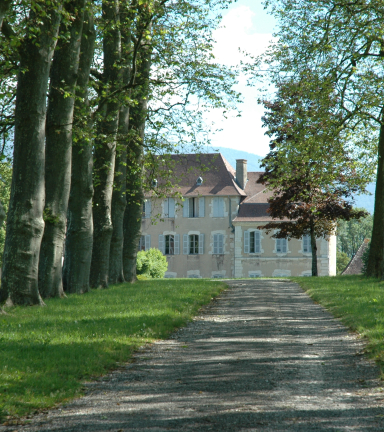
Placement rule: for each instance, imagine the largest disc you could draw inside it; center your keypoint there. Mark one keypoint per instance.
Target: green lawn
(357, 301)
(46, 352)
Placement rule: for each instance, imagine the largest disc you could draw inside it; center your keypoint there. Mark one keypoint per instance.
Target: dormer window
(154, 183)
(199, 181)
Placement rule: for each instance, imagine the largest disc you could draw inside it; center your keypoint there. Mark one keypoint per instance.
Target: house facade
(215, 231)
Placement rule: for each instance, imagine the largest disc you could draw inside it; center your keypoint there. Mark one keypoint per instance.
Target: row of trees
(91, 90)
(326, 118)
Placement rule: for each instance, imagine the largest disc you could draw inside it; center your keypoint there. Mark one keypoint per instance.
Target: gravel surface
(262, 357)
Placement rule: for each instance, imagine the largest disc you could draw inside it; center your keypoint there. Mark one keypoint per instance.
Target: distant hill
(231, 155)
(364, 201)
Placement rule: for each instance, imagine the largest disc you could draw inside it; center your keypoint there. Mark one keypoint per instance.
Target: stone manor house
(214, 232)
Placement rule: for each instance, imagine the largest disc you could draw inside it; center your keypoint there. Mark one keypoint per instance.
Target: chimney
(241, 172)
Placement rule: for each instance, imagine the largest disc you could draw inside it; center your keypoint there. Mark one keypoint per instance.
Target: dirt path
(261, 358)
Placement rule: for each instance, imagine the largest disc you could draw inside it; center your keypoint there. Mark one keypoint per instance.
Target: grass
(358, 302)
(47, 352)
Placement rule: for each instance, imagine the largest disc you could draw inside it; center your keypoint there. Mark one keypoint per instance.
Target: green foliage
(151, 263)
(47, 352)
(365, 258)
(358, 301)
(342, 260)
(350, 234)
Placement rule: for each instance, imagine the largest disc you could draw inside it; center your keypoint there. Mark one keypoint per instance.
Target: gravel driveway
(263, 357)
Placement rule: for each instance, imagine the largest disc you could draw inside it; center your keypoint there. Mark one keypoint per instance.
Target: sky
(248, 26)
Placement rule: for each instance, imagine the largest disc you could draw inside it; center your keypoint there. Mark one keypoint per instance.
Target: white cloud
(245, 132)
(234, 34)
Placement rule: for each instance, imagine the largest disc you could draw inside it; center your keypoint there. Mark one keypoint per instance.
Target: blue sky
(248, 26)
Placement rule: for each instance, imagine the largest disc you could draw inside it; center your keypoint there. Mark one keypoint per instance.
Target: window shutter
(215, 244)
(147, 242)
(221, 207)
(161, 244)
(201, 206)
(246, 241)
(185, 244)
(186, 208)
(215, 207)
(148, 208)
(220, 243)
(278, 245)
(284, 245)
(257, 242)
(177, 244)
(201, 244)
(307, 244)
(171, 207)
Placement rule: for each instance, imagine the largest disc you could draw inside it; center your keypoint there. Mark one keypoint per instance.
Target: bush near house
(342, 260)
(151, 263)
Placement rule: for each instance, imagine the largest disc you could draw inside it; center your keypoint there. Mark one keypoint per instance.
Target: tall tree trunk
(105, 149)
(133, 211)
(376, 251)
(25, 222)
(134, 193)
(79, 238)
(314, 250)
(58, 151)
(119, 200)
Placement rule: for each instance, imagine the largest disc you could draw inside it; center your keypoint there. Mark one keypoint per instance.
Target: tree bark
(25, 222)
(105, 150)
(314, 249)
(58, 152)
(79, 238)
(135, 194)
(119, 203)
(119, 200)
(376, 251)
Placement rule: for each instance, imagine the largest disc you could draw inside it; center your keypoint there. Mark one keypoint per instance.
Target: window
(218, 243)
(144, 243)
(147, 209)
(169, 208)
(218, 207)
(193, 244)
(281, 245)
(194, 207)
(307, 248)
(169, 244)
(252, 241)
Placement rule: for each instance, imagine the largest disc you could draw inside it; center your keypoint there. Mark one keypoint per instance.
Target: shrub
(342, 260)
(151, 263)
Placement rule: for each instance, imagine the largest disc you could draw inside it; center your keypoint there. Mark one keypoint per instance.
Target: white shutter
(186, 208)
(257, 242)
(171, 207)
(147, 242)
(246, 241)
(185, 244)
(201, 206)
(161, 244)
(148, 208)
(177, 244)
(221, 207)
(215, 243)
(201, 244)
(215, 207)
(284, 245)
(278, 245)
(220, 243)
